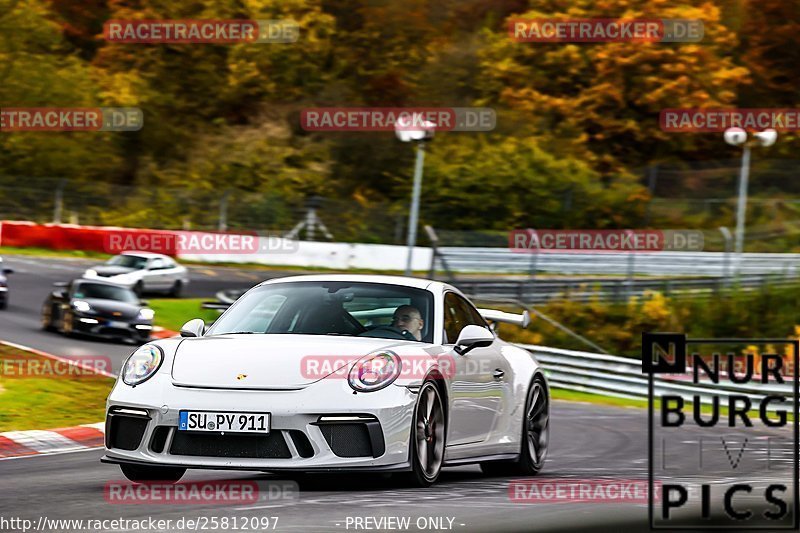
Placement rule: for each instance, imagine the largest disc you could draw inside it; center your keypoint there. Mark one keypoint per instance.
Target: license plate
(227, 422)
(120, 325)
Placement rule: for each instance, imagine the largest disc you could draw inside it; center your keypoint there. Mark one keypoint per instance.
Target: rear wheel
(427, 437)
(176, 289)
(535, 436)
(145, 474)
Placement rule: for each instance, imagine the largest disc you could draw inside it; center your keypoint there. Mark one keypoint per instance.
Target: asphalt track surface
(588, 442)
(33, 280)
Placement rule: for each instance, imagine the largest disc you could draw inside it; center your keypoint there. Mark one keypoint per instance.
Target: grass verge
(44, 252)
(172, 314)
(38, 393)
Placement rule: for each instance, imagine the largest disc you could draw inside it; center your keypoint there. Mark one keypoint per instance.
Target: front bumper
(301, 429)
(96, 326)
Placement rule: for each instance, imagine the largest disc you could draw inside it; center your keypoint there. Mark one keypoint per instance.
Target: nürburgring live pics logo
(723, 437)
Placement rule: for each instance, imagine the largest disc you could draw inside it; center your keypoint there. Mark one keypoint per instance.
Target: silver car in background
(144, 272)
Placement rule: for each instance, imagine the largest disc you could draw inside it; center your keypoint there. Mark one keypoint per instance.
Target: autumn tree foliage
(576, 123)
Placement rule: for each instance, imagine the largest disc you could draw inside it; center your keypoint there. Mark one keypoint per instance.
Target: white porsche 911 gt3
(327, 373)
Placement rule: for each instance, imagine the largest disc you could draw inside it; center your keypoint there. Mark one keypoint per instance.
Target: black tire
(177, 289)
(431, 432)
(538, 427)
(138, 289)
(150, 474)
(4, 303)
(47, 318)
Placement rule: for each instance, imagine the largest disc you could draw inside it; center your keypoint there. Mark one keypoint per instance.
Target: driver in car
(409, 318)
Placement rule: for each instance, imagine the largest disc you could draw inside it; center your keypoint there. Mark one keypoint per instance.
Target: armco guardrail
(504, 261)
(539, 290)
(622, 377)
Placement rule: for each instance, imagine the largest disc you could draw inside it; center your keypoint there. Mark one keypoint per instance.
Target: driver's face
(409, 318)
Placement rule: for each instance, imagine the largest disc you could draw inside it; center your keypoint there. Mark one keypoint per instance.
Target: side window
(459, 313)
(454, 317)
(473, 314)
(157, 264)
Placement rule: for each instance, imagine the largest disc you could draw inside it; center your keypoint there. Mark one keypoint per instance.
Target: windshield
(104, 292)
(332, 308)
(128, 261)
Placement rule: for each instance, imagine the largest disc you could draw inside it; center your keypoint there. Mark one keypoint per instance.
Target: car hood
(111, 270)
(269, 361)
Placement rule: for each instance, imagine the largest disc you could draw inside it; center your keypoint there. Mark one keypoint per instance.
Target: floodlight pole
(413, 214)
(741, 208)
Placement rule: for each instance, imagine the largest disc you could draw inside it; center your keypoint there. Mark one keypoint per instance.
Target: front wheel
(427, 437)
(535, 436)
(68, 323)
(47, 318)
(139, 289)
(145, 474)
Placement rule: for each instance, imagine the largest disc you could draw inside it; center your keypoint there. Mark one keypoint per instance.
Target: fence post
(631, 268)
(222, 224)
(434, 249)
(532, 266)
(726, 258)
(58, 204)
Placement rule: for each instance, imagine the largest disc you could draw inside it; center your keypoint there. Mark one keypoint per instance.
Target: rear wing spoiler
(493, 315)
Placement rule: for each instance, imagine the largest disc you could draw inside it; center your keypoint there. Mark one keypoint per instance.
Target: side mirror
(59, 294)
(144, 303)
(472, 337)
(193, 328)
(8, 271)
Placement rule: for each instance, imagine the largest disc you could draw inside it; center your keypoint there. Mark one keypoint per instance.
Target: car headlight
(142, 364)
(375, 371)
(91, 273)
(146, 314)
(81, 306)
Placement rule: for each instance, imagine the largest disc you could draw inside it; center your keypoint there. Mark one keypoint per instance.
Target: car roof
(418, 283)
(145, 254)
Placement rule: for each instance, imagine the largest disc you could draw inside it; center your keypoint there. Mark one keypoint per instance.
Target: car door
(478, 384)
(154, 277)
